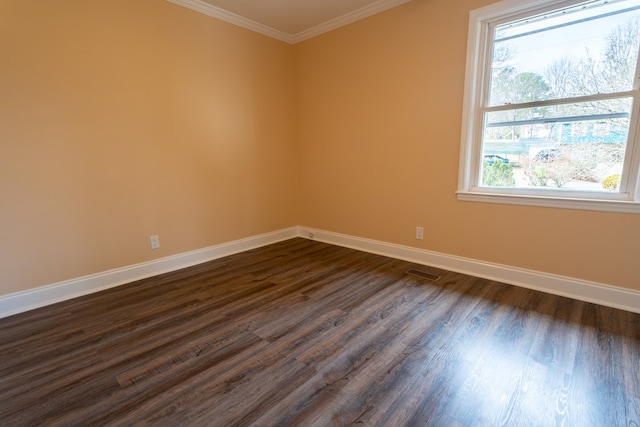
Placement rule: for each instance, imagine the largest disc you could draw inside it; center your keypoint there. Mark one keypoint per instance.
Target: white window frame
(479, 46)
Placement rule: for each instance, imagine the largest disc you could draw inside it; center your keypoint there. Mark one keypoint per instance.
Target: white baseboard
(598, 293)
(582, 290)
(39, 297)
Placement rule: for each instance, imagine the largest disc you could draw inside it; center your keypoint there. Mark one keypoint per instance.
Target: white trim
(611, 296)
(341, 21)
(39, 297)
(582, 290)
(349, 18)
(552, 202)
(475, 94)
(499, 10)
(232, 18)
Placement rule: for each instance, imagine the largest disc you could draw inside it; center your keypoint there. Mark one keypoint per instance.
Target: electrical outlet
(419, 233)
(155, 242)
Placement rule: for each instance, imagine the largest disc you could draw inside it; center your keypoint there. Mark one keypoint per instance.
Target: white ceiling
(290, 20)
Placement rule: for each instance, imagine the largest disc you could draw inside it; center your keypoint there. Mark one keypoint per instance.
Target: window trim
(476, 77)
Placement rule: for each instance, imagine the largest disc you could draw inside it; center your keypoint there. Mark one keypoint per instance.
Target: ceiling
(290, 20)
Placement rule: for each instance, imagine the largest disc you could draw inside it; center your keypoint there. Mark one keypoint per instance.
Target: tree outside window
(552, 91)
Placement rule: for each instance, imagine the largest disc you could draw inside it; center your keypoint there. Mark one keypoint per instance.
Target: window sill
(552, 202)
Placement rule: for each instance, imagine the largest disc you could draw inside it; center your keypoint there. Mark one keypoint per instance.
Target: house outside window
(552, 98)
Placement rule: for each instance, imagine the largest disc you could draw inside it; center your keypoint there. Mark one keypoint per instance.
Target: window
(552, 98)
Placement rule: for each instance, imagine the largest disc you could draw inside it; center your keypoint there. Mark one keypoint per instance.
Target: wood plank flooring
(302, 333)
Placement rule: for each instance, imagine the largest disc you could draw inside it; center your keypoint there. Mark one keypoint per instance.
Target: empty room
(320, 212)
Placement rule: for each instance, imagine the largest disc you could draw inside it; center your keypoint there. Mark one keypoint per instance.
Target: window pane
(583, 50)
(578, 146)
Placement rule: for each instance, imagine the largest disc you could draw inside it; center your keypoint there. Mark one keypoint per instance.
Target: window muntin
(554, 55)
(558, 104)
(566, 146)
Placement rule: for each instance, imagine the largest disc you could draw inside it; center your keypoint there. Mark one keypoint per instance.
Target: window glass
(583, 50)
(560, 104)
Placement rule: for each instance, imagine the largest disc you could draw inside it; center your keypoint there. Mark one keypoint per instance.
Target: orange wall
(379, 124)
(122, 119)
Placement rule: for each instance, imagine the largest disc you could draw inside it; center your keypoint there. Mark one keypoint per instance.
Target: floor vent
(423, 275)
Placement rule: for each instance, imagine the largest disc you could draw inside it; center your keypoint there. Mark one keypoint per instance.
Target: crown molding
(341, 21)
(232, 18)
(349, 18)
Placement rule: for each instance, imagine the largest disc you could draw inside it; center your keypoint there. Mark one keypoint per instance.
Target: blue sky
(536, 51)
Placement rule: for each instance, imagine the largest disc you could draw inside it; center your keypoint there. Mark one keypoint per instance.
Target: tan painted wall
(379, 123)
(121, 119)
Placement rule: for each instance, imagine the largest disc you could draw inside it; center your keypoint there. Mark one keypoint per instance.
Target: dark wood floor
(302, 333)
